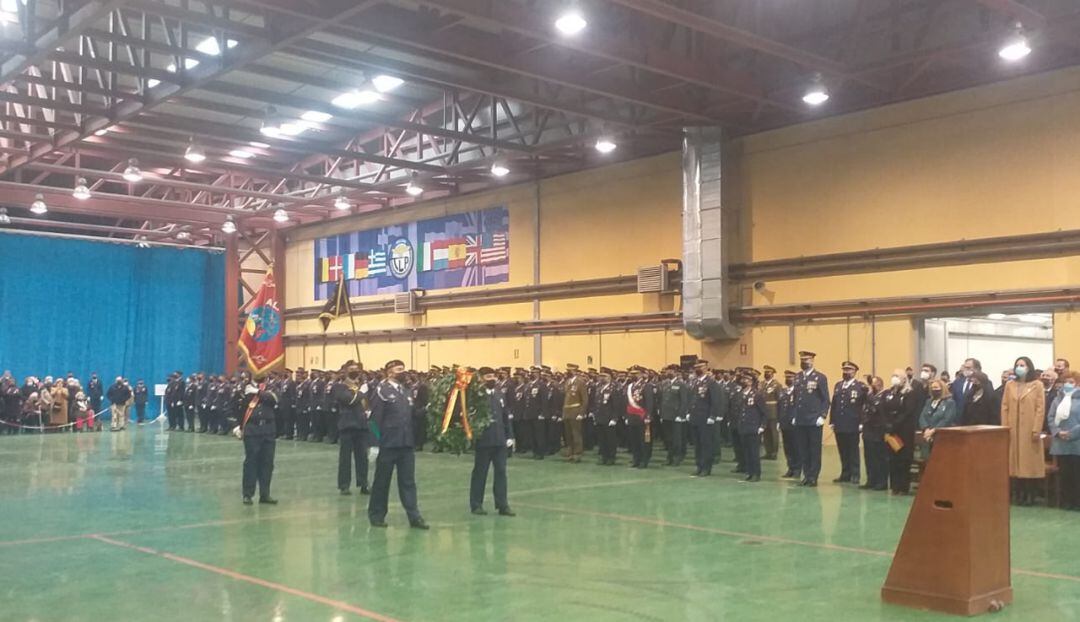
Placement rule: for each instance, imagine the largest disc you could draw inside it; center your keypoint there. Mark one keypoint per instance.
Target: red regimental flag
(261, 339)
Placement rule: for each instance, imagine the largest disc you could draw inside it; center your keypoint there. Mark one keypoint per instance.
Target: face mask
(1068, 388)
(353, 375)
(1021, 371)
(805, 366)
(968, 373)
(848, 375)
(490, 384)
(769, 376)
(925, 375)
(896, 381)
(936, 392)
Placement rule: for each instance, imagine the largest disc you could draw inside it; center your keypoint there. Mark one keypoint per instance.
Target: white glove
(238, 432)
(558, 419)
(860, 427)
(580, 417)
(678, 419)
(510, 443)
(372, 453)
(510, 417)
(611, 424)
(761, 430)
(539, 418)
(251, 390)
(710, 421)
(820, 421)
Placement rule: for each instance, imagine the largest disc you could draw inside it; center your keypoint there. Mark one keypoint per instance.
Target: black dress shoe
(364, 490)
(506, 512)
(811, 484)
(865, 487)
(480, 512)
(788, 475)
(268, 500)
(247, 501)
(345, 492)
(804, 482)
(840, 480)
(755, 478)
(378, 523)
(419, 524)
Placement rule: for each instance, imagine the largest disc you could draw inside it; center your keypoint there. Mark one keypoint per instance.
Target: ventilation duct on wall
(704, 275)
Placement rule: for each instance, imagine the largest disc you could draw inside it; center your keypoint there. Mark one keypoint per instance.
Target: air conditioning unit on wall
(659, 279)
(409, 302)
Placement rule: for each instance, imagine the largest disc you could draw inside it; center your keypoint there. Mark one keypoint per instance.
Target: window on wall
(996, 340)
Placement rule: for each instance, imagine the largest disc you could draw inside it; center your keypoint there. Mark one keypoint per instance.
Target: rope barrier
(41, 428)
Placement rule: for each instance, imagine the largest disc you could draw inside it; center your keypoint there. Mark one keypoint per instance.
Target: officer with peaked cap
(770, 389)
(848, 406)
(750, 422)
(391, 410)
(811, 407)
(785, 415)
(708, 404)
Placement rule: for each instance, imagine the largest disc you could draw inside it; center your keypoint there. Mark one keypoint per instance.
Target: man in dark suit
(95, 391)
(491, 449)
(845, 417)
(961, 387)
(811, 405)
(259, 432)
(350, 400)
(391, 409)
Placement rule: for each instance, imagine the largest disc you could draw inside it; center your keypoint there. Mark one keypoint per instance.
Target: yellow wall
(600, 223)
(997, 160)
(993, 161)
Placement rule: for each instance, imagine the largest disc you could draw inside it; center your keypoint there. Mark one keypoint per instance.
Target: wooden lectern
(954, 554)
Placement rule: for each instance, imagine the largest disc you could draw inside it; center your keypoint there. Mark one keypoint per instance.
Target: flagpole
(356, 339)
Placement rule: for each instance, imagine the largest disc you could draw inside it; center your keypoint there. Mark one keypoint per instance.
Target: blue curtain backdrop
(115, 309)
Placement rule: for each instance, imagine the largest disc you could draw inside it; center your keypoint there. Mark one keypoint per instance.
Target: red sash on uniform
(632, 406)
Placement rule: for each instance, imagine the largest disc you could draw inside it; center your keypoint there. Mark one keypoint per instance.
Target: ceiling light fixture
(281, 216)
(228, 226)
(571, 22)
(1017, 46)
(211, 47)
(194, 153)
(183, 235)
(4, 218)
(352, 99)
(342, 203)
(271, 123)
(500, 169)
(38, 206)
(243, 154)
(384, 83)
(132, 173)
(414, 189)
(316, 116)
(81, 191)
(605, 145)
(817, 94)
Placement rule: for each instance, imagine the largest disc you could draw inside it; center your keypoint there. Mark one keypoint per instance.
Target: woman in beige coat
(58, 415)
(1022, 411)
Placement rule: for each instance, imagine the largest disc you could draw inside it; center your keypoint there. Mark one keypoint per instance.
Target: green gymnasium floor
(145, 525)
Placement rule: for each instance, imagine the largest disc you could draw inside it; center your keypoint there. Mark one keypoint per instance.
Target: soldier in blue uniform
(845, 417)
(318, 405)
(785, 414)
(674, 407)
(350, 399)
(750, 422)
(606, 414)
(391, 410)
(535, 414)
(191, 403)
(491, 449)
(811, 406)
(302, 406)
(258, 430)
(708, 403)
(873, 436)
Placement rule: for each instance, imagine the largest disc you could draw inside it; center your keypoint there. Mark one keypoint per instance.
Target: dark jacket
(848, 404)
(391, 410)
(118, 394)
(142, 395)
(750, 416)
(261, 422)
(708, 400)
(811, 397)
(348, 398)
(501, 428)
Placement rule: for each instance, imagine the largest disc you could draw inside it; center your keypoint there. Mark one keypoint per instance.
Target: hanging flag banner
(463, 250)
(261, 339)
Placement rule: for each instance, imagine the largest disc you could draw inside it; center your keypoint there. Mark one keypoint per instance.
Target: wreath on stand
(458, 411)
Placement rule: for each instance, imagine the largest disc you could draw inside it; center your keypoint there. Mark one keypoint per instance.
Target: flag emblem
(401, 258)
